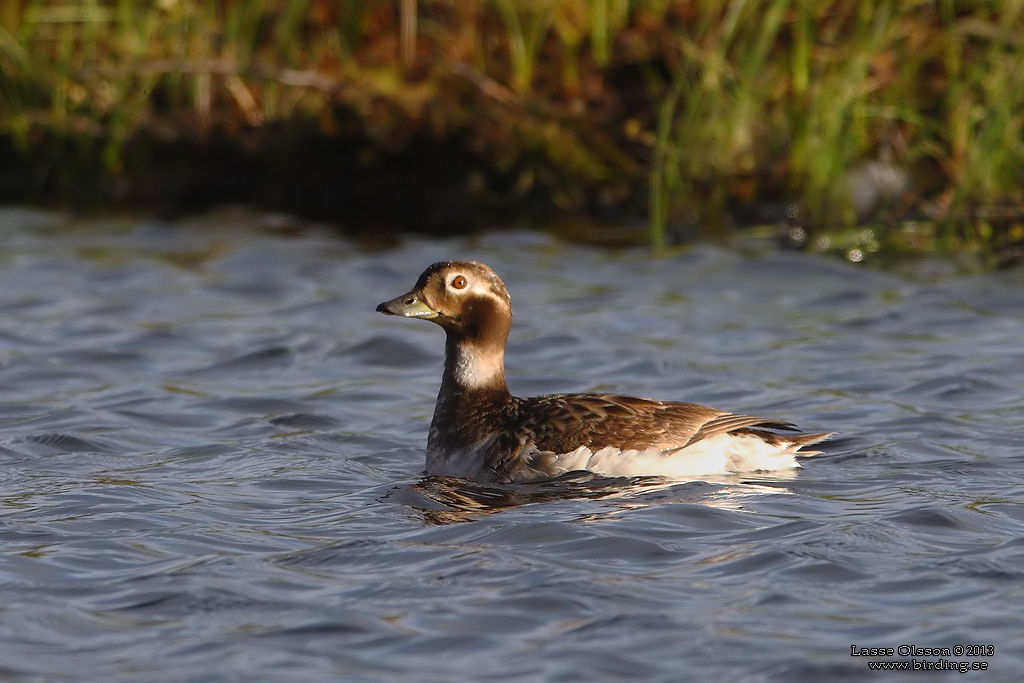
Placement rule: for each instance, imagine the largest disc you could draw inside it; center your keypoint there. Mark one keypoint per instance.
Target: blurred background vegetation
(861, 126)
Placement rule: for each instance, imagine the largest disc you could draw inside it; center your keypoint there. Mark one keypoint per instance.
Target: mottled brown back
(564, 422)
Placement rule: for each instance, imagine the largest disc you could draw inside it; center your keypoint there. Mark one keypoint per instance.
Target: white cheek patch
(480, 288)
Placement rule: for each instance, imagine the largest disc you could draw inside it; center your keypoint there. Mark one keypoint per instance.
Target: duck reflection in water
(449, 500)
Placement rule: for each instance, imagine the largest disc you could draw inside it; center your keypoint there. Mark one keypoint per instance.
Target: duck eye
(459, 282)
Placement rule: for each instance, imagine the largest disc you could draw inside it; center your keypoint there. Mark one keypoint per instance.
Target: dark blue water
(211, 452)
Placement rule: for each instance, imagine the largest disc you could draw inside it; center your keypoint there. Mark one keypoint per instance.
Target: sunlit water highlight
(212, 446)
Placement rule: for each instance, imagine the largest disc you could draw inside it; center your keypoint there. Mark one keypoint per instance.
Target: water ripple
(213, 447)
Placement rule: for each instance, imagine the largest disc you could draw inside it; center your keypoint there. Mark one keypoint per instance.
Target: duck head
(466, 298)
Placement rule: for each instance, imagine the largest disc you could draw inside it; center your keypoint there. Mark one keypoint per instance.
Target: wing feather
(730, 422)
(564, 422)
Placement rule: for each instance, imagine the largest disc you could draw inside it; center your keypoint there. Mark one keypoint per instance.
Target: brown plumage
(480, 431)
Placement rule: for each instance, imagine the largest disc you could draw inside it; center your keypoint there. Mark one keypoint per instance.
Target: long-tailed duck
(482, 432)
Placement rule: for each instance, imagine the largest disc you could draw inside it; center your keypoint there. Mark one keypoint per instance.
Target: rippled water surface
(212, 448)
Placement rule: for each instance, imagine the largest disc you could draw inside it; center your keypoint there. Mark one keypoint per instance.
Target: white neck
(471, 368)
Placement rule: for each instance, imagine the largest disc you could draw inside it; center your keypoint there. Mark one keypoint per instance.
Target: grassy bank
(693, 116)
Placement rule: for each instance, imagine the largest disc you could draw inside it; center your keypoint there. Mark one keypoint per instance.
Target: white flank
(719, 454)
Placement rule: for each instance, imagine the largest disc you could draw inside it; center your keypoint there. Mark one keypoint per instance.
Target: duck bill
(408, 306)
